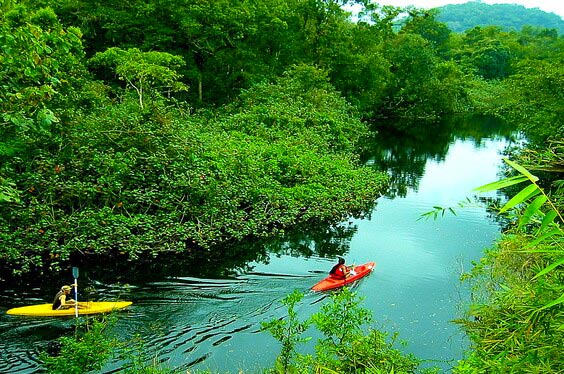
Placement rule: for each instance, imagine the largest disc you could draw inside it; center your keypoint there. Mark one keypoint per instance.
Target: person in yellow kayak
(61, 302)
(342, 271)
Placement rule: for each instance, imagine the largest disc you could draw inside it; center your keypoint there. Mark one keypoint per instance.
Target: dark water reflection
(204, 310)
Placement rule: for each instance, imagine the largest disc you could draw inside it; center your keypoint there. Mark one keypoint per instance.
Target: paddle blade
(75, 272)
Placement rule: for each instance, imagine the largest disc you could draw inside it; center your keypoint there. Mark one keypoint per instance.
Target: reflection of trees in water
(319, 239)
(314, 240)
(403, 147)
(492, 206)
(307, 240)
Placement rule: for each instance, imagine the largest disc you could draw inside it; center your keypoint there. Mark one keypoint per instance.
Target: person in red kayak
(341, 271)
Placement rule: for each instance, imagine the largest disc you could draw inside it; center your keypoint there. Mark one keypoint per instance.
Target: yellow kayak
(91, 307)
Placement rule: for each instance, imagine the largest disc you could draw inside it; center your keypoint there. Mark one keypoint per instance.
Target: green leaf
(427, 215)
(559, 251)
(435, 212)
(560, 300)
(526, 193)
(497, 185)
(46, 117)
(8, 193)
(521, 170)
(541, 239)
(547, 220)
(532, 209)
(549, 268)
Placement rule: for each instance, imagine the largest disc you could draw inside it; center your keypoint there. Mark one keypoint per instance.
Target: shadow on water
(314, 240)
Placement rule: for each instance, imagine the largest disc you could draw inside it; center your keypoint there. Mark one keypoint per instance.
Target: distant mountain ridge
(461, 17)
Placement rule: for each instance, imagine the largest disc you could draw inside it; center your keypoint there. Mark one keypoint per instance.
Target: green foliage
(301, 104)
(15, 15)
(140, 359)
(93, 346)
(346, 347)
(288, 332)
(513, 322)
(358, 68)
(487, 96)
(231, 45)
(143, 182)
(518, 77)
(84, 352)
(413, 68)
(40, 68)
(516, 321)
(547, 220)
(8, 194)
(426, 24)
(487, 51)
(538, 88)
(228, 46)
(341, 320)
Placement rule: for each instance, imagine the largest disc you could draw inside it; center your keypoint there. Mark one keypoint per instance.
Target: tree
(147, 73)
(487, 52)
(413, 68)
(538, 93)
(425, 23)
(41, 68)
(41, 74)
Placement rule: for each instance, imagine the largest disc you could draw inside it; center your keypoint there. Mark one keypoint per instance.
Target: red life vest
(339, 271)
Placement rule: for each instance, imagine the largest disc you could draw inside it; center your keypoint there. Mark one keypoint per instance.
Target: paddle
(75, 276)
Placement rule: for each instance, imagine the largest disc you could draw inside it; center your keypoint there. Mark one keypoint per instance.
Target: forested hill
(461, 17)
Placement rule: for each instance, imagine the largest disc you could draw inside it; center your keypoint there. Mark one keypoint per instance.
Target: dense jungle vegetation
(135, 129)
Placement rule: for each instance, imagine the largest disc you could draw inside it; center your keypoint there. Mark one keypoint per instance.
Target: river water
(207, 315)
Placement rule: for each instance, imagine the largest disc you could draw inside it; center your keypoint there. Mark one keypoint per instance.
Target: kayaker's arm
(65, 302)
(72, 303)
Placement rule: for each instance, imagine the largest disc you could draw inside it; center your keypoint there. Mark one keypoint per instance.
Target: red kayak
(332, 282)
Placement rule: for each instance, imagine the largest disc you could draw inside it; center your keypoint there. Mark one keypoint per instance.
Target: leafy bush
(347, 347)
(136, 183)
(88, 350)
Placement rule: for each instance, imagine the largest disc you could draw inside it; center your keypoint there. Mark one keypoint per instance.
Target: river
(207, 314)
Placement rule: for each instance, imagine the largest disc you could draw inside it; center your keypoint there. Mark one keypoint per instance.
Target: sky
(554, 6)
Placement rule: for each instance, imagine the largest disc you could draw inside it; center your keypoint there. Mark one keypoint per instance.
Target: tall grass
(516, 322)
